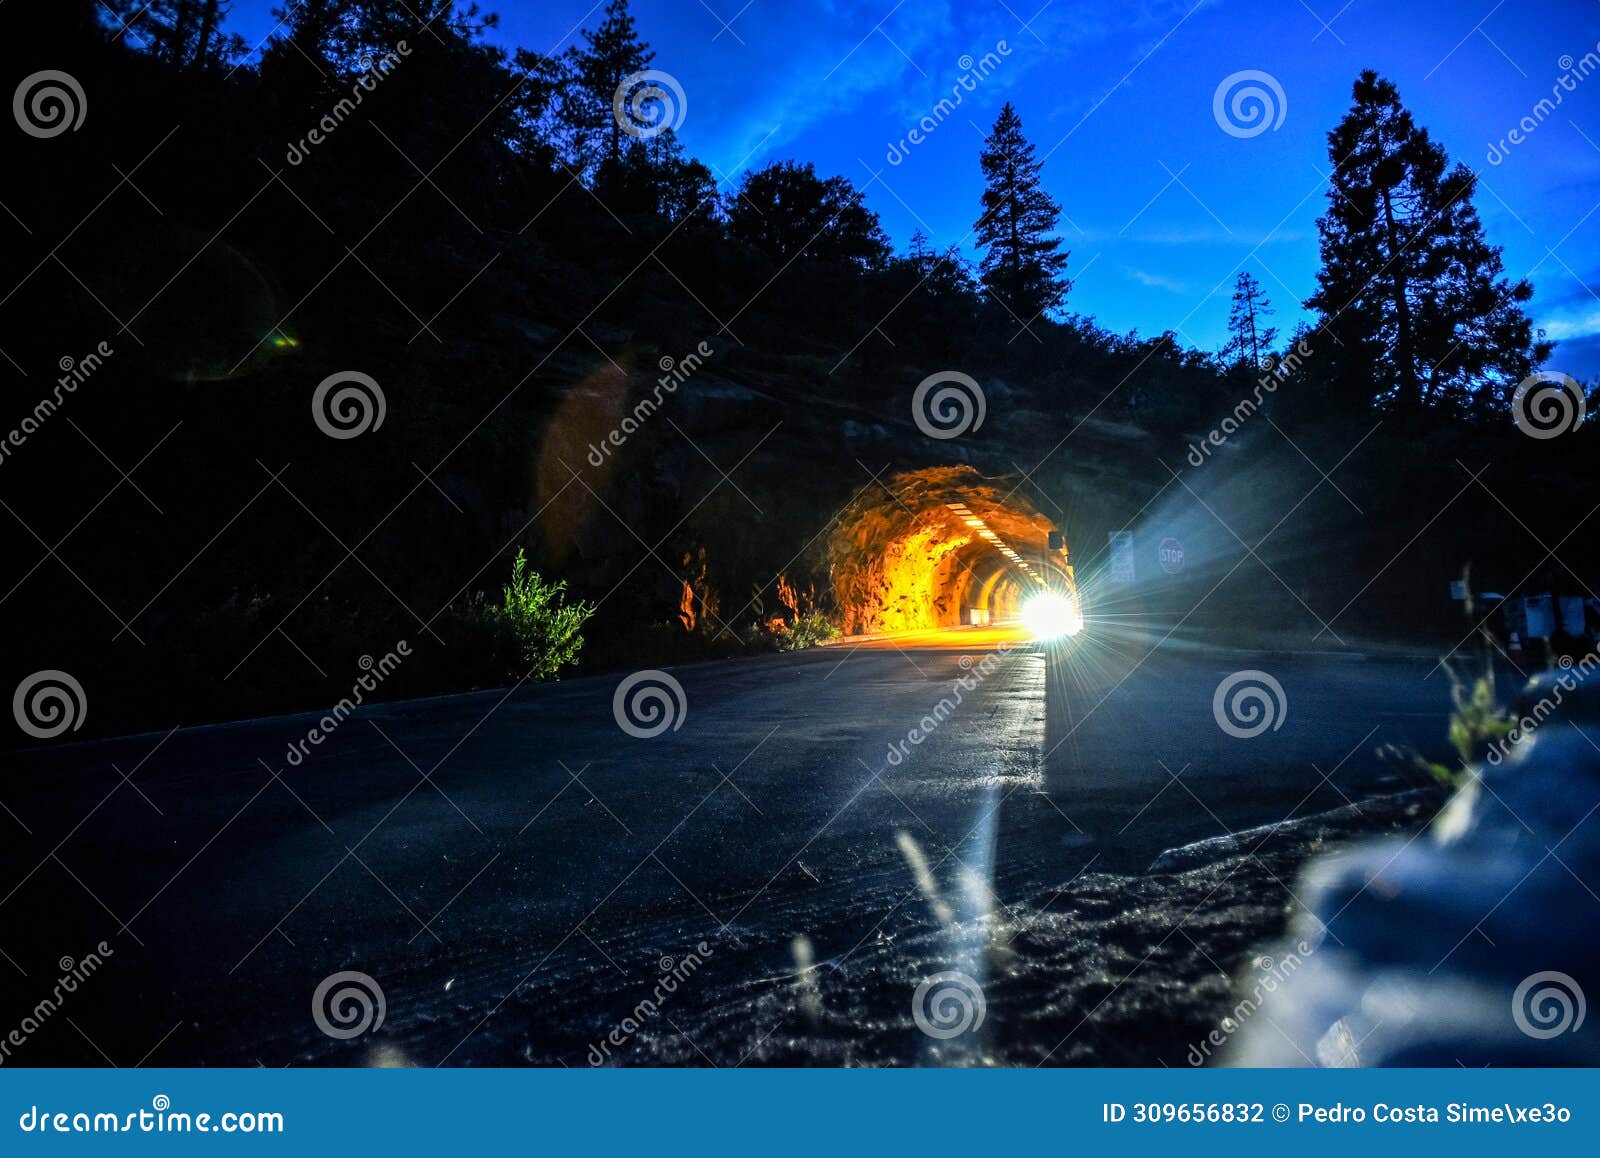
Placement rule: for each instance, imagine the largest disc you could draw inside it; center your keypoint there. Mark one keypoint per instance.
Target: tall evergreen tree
(1021, 266)
(1413, 294)
(1250, 339)
(611, 53)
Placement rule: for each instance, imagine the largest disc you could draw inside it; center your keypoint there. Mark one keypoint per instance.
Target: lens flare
(1051, 616)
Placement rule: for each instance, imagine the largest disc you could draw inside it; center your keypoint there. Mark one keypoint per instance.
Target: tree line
(1413, 308)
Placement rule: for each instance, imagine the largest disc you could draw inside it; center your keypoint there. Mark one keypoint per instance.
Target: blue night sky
(1161, 207)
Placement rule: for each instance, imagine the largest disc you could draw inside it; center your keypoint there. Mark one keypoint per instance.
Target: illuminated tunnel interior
(938, 547)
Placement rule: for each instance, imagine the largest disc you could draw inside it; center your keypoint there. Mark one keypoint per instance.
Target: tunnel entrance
(937, 547)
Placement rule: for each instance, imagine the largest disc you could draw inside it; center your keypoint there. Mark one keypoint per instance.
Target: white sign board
(1121, 544)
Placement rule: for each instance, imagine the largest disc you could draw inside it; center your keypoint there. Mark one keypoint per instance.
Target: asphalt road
(517, 873)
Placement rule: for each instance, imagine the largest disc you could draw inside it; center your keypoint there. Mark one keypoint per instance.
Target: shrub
(543, 625)
(808, 631)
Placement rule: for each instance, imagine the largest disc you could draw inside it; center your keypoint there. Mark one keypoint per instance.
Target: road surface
(522, 878)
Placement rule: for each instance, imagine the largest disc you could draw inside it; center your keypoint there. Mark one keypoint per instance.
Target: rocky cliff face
(739, 480)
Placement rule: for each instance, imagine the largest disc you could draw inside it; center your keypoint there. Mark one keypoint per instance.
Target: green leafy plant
(807, 631)
(1478, 722)
(543, 625)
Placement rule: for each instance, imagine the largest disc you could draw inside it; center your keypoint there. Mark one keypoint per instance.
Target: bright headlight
(1050, 616)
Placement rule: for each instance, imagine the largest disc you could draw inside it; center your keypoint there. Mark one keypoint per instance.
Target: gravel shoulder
(1106, 970)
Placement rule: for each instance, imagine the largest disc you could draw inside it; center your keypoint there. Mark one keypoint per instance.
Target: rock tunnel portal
(939, 547)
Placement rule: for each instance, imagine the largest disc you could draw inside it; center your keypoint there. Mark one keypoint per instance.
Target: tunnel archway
(929, 548)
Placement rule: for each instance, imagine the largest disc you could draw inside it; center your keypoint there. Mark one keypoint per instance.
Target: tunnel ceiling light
(961, 511)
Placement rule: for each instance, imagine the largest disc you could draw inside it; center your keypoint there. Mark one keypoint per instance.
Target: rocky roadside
(1107, 969)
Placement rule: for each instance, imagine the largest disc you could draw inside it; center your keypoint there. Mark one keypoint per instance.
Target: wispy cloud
(1579, 325)
(1157, 281)
(1198, 235)
(809, 62)
(812, 61)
